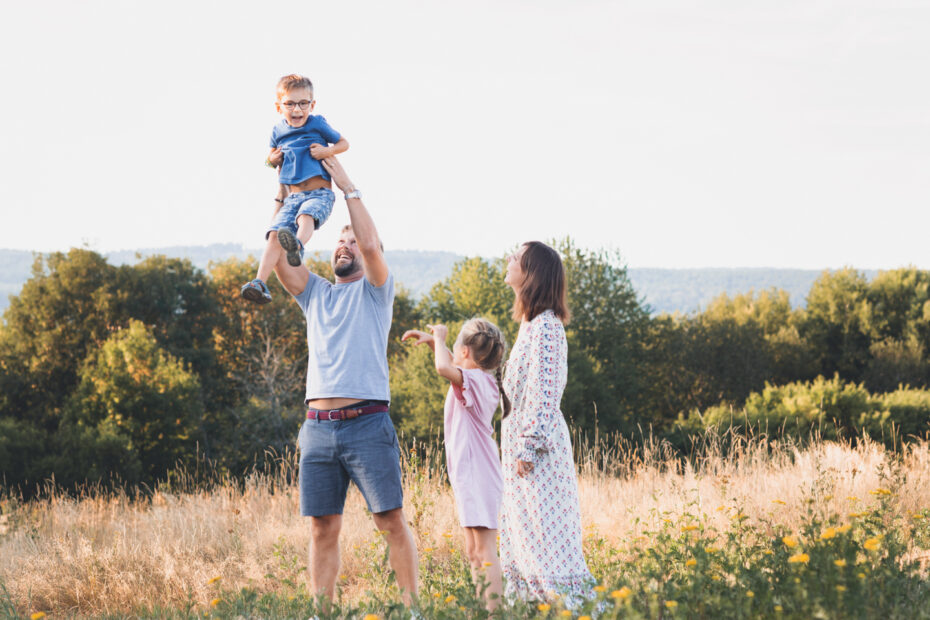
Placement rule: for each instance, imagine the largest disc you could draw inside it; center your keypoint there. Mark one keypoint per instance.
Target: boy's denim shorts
(363, 450)
(317, 203)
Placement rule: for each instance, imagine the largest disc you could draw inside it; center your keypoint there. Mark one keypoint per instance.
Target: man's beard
(345, 269)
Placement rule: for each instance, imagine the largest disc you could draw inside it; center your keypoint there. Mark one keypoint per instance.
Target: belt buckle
(334, 414)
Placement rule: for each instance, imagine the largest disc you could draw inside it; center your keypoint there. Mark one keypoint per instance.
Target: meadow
(744, 529)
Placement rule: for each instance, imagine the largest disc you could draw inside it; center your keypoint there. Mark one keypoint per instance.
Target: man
(348, 434)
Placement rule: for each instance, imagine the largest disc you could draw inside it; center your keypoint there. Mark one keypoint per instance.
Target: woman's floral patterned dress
(541, 552)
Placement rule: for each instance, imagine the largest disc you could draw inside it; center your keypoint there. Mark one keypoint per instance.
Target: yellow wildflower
(768, 552)
(750, 593)
(711, 549)
(565, 613)
(841, 562)
(428, 550)
(861, 575)
(584, 617)
(844, 528)
(371, 617)
(450, 598)
(622, 594)
(715, 577)
(688, 528)
(721, 508)
(779, 608)
(691, 562)
(852, 498)
(544, 607)
(37, 615)
(917, 516)
(447, 534)
(666, 520)
(872, 544)
(671, 604)
(800, 558)
(600, 588)
(486, 564)
(778, 501)
(436, 594)
(214, 602)
(828, 533)
(740, 516)
(880, 492)
(790, 541)
(840, 588)
(214, 580)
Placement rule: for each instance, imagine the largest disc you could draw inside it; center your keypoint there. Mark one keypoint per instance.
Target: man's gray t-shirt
(347, 333)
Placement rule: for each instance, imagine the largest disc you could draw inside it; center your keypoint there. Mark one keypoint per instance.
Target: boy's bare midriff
(310, 184)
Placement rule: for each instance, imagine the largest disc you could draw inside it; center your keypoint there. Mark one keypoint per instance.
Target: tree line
(119, 373)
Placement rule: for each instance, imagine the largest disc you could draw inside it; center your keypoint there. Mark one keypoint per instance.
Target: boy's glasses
(303, 105)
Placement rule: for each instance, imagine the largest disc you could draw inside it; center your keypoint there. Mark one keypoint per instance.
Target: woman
(541, 551)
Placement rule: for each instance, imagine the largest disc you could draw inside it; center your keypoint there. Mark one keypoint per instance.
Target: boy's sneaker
(256, 291)
(293, 247)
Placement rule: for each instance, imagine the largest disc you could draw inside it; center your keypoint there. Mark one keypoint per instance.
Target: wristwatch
(355, 193)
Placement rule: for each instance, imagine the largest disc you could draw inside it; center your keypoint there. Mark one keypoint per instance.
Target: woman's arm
(545, 357)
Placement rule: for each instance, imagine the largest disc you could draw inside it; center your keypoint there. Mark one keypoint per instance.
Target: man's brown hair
(543, 286)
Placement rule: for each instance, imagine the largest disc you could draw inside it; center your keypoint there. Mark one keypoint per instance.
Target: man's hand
(276, 157)
(338, 173)
(318, 151)
(422, 337)
(524, 468)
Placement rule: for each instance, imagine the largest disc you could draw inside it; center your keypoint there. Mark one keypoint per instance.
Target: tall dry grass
(104, 553)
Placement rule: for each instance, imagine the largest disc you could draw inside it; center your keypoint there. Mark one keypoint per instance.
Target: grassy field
(760, 530)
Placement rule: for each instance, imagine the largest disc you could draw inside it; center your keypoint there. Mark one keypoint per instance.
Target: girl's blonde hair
(487, 345)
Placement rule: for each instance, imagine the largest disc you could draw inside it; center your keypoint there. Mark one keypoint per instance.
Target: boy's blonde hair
(487, 345)
(292, 81)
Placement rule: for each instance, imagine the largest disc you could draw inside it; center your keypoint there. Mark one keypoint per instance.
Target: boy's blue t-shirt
(295, 143)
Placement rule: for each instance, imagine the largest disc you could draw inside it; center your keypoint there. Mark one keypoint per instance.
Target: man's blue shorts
(363, 450)
(317, 203)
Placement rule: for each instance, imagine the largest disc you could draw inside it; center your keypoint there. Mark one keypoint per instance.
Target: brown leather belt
(347, 413)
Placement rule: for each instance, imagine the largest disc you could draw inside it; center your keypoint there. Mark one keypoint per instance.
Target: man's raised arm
(366, 235)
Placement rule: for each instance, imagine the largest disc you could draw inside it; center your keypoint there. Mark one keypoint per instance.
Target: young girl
(471, 452)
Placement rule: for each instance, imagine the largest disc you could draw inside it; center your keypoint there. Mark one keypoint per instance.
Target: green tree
(837, 322)
(139, 399)
(62, 312)
(605, 340)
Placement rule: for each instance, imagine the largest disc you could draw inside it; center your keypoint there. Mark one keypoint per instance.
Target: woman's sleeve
(541, 399)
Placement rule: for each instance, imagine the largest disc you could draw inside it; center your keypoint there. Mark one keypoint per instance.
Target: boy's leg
(257, 289)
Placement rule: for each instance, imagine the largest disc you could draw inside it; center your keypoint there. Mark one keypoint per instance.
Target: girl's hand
(524, 468)
(318, 151)
(440, 332)
(422, 337)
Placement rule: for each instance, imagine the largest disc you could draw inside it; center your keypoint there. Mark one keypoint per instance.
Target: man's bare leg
(324, 554)
(403, 551)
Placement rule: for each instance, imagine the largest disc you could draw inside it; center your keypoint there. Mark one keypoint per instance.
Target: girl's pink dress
(471, 451)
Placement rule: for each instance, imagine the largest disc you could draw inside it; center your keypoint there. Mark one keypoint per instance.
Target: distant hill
(690, 290)
(664, 290)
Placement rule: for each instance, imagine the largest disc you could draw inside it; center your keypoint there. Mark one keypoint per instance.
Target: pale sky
(775, 133)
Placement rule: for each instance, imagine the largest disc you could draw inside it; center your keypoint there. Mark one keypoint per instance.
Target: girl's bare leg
(481, 548)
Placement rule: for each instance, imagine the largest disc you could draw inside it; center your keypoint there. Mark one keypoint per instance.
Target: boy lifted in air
(298, 142)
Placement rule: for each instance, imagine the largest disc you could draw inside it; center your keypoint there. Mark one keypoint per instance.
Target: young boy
(305, 200)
